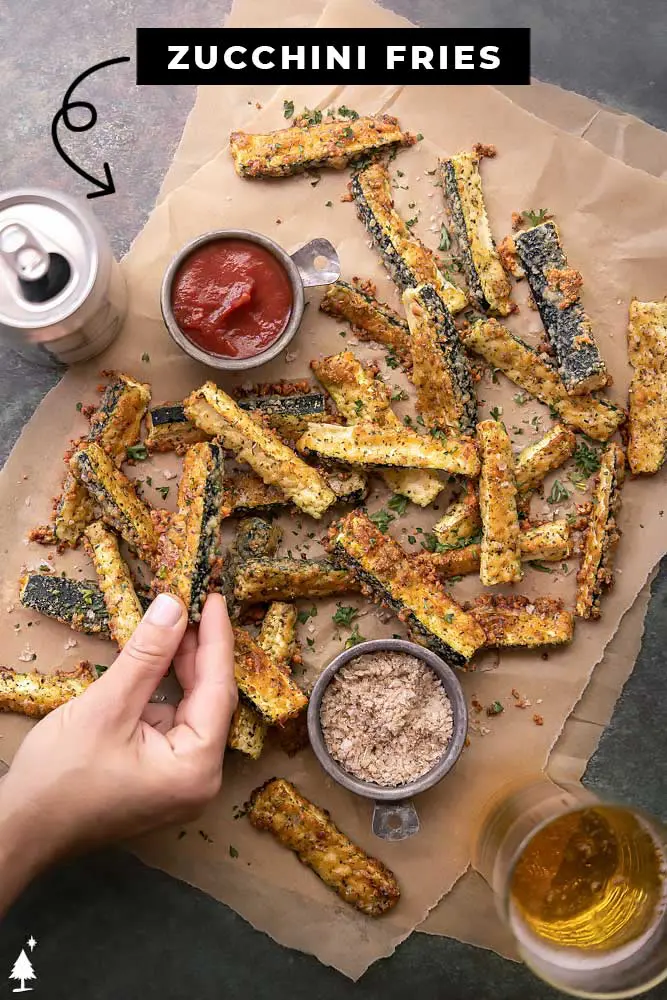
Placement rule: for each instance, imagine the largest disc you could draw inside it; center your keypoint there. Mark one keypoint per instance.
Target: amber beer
(582, 886)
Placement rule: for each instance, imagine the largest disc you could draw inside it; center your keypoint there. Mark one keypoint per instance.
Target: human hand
(111, 764)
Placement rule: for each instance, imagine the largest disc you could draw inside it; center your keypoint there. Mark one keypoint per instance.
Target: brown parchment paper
(431, 863)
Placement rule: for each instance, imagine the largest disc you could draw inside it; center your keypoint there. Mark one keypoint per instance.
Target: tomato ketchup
(232, 297)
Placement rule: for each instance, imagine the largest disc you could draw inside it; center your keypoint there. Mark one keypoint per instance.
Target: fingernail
(165, 610)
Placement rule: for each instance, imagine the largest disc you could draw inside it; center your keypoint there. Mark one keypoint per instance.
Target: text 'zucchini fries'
(538, 375)
(285, 579)
(328, 144)
(407, 585)
(116, 496)
(215, 412)
(360, 396)
(406, 258)
(304, 828)
(555, 288)
(371, 446)
(115, 425)
(486, 278)
(440, 371)
(602, 535)
(266, 685)
(77, 603)
(647, 353)
(188, 549)
(500, 553)
(370, 319)
(36, 695)
(122, 604)
(523, 622)
(548, 542)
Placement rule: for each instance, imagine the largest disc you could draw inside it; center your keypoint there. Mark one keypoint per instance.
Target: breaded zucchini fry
(555, 288)
(214, 411)
(602, 535)
(328, 144)
(304, 828)
(406, 258)
(647, 353)
(277, 635)
(122, 604)
(188, 549)
(77, 603)
(369, 318)
(538, 375)
(170, 430)
(445, 394)
(410, 587)
(523, 621)
(267, 686)
(500, 553)
(550, 542)
(369, 446)
(117, 499)
(360, 396)
(247, 731)
(285, 579)
(462, 185)
(36, 694)
(461, 520)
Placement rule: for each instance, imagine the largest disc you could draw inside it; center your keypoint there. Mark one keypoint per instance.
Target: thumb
(145, 659)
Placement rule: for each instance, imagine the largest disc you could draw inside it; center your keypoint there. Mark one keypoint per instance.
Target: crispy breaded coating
(647, 353)
(122, 604)
(523, 621)
(270, 690)
(501, 553)
(36, 694)
(602, 535)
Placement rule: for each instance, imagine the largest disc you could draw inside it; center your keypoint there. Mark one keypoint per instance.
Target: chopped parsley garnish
(79, 407)
(311, 642)
(536, 217)
(445, 239)
(411, 222)
(355, 638)
(139, 452)
(412, 540)
(345, 615)
(586, 459)
(520, 398)
(145, 357)
(497, 412)
(419, 137)
(303, 616)
(495, 709)
(559, 494)
(382, 519)
(309, 117)
(163, 491)
(539, 566)
(391, 360)
(288, 108)
(233, 853)
(328, 204)
(348, 112)
(449, 617)
(358, 406)
(348, 133)
(398, 395)
(100, 668)
(399, 503)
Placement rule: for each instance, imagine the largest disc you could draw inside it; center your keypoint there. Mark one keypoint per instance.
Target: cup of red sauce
(233, 299)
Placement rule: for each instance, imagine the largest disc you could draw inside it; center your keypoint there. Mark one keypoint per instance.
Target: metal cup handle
(395, 820)
(308, 257)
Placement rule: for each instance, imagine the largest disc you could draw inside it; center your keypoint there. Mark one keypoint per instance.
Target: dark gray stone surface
(109, 927)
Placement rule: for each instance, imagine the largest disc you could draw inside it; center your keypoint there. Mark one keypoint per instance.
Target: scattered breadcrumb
(538, 720)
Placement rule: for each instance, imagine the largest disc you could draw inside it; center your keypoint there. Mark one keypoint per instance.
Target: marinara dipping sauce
(232, 297)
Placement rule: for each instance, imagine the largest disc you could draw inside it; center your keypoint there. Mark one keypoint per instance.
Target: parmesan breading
(647, 353)
(500, 553)
(548, 542)
(602, 535)
(523, 621)
(122, 604)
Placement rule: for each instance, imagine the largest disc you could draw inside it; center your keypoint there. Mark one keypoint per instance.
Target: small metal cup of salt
(394, 814)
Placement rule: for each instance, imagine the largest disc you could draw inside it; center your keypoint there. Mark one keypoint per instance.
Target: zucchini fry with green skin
(462, 185)
(170, 430)
(460, 521)
(77, 603)
(35, 694)
(371, 446)
(550, 542)
(215, 412)
(247, 731)
(555, 288)
(410, 587)
(537, 374)
(115, 425)
(267, 686)
(500, 554)
(286, 579)
(117, 499)
(406, 258)
(440, 371)
(523, 622)
(359, 395)
(122, 604)
(245, 493)
(602, 535)
(304, 828)
(647, 353)
(328, 144)
(188, 549)
(369, 318)
(255, 538)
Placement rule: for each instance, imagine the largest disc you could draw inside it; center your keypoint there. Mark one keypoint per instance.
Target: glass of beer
(581, 884)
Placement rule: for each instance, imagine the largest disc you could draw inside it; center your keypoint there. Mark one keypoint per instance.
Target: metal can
(62, 294)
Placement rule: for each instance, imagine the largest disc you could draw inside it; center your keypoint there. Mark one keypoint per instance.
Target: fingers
(135, 674)
(184, 661)
(209, 695)
(159, 716)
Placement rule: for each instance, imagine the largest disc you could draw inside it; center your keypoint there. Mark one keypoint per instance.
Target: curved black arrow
(107, 185)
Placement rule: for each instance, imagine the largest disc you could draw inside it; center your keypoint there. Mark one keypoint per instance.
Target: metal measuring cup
(315, 263)
(394, 814)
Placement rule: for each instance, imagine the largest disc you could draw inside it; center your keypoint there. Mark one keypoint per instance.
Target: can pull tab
(41, 275)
